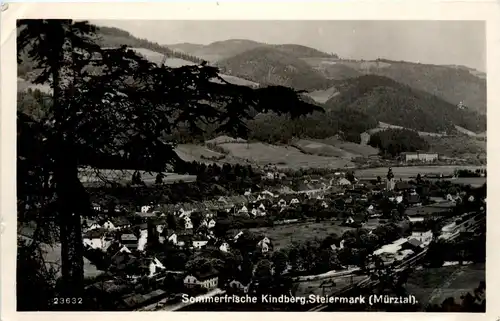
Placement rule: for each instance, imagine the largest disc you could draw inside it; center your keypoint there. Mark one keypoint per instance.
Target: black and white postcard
(214, 161)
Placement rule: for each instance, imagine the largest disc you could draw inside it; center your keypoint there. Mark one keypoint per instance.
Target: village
(149, 256)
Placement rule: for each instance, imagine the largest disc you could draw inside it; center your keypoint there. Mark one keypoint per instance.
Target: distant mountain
(220, 50)
(398, 104)
(454, 84)
(268, 65)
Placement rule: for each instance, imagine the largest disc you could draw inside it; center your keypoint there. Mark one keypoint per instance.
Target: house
(120, 222)
(97, 239)
(170, 236)
(248, 193)
(94, 226)
(267, 193)
(262, 207)
(260, 198)
(211, 223)
(324, 204)
(237, 235)
(188, 225)
(243, 209)
(419, 156)
(199, 243)
(282, 203)
(146, 208)
(108, 225)
(208, 280)
(412, 244)
(96, 207)
(295, 201)
(344, 182)
(269, 175)
(238, 286)
(154, 266)
(264, 244)
(423, 236)
(143, 240)
(224, 247)
(129, 240)
(349, 220)
(254, 212)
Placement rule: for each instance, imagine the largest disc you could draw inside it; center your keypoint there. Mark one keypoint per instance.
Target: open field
(412, 171)
(191, 152)
(321, 149)
(322, 96)
(283, 235)
(349, 147)
(433, 285)
(282, 156)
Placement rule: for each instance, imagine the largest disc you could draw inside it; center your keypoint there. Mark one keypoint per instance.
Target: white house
(109, 225)
(320, 197)
(244, 209)
(198, 244)
(237, 236)
(154, 266)
(254, 212)
(172, 238)
(266, 192)
(324, 204)
(424, 237)
(97, 239)
(208, 281)
(264, 244)
(262, 207)
(211, 223)
(248, 193)
(94, 226)
(269, 175)
(96, 207)
(471, 198)
(143, 240)
(224, 247)
(294, 201)
(145, 208)
(370, 209)
(160, 228)
(237, 285)
(188, 224)
(344, 182)
(349, 220)
(282, 203)
(260, 198)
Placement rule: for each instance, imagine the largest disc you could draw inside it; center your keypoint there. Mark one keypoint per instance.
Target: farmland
(283, 235)
(282, 156)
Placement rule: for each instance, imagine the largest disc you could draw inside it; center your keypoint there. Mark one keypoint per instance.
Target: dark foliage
(396, 141)
(391, 102)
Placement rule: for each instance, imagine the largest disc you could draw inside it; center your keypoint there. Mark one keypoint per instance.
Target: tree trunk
(70, 209)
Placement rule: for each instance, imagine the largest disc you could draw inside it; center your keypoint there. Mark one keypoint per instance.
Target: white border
(347, 10)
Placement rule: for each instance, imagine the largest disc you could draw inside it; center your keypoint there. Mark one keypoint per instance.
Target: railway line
(411, 261)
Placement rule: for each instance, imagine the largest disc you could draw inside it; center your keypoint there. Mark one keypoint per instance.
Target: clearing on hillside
(282, 156)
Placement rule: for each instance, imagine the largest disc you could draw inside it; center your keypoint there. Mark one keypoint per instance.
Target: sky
(433, 42)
